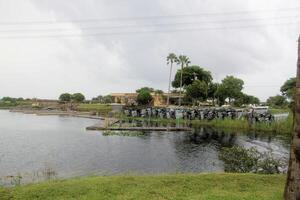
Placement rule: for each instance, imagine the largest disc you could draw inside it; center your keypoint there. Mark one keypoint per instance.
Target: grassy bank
(188, 186)
(280, 127)
(102, 109)
(284, 127)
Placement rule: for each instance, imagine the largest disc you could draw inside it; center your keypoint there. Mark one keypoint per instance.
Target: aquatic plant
(241, 160)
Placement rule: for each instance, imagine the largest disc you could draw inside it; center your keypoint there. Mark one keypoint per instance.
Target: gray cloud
(263, 56)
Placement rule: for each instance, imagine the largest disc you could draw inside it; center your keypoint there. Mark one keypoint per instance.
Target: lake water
(30, 144)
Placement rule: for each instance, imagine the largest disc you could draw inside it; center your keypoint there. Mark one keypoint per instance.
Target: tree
(158, 92)
(150, 90)
(211, 91)
(65, 97)
(183, 61)
(288, 88)
(170, 60)
(191, 73)
(292, 189)
(245, 99)
(9, 99)
(221, 94)
(103, 99)
(197, 90)
(277, 101)
(232, 87)
(144, 96)
(78, 97)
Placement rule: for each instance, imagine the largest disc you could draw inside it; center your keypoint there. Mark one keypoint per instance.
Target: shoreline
(57, 113)
(281, 127)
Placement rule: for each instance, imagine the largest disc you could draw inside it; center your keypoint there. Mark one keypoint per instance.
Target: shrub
(241, 160)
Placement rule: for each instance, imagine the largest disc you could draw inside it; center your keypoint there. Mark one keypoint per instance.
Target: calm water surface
(30, 144)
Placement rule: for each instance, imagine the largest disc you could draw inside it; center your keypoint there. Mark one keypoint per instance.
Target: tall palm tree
(184, 61)
(170, 60)
(292, 188)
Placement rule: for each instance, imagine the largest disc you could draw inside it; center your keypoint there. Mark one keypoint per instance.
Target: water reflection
(27, 142)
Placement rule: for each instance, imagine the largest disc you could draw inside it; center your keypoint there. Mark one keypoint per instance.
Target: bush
(144, 97)
(241, 160)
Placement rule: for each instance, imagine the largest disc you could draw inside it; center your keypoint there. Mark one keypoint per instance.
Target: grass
(284, 127)
(102, 109)
(279, 110)
(173, 187)
(7, 105)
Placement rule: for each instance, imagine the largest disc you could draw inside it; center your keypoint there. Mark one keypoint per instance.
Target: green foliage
(172, 58)
(144, 96)
(8, 102)
(288, 88)
(183, 60)
(283, 127)
(277, 101)
(9, 99)
(232, 87)
(148, 89)
(103, 99)
(212, 90)
(221, 94)
(178, 186)
(103, 109)
(241, 160)
(159, 92)
(78, 97)
(65, 97)
(246, 99)
(189, 74)
(197, 90)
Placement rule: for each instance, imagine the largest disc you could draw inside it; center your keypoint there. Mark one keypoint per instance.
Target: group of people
(198, 114)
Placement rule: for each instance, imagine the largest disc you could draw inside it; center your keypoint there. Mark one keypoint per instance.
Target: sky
(48, 47)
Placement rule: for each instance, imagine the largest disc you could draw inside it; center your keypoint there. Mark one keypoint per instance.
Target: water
(31, 145)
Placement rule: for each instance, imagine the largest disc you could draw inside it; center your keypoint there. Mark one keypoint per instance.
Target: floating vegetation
(124, 133)
(241, 160)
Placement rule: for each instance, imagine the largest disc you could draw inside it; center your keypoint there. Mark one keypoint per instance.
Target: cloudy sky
(100, 46)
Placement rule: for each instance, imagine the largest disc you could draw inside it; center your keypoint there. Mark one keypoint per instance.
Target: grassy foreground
(182, 186)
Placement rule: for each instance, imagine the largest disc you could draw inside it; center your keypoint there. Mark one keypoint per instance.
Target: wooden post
(292, 189)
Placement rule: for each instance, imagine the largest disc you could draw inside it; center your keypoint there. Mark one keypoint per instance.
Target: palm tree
(184, 61)
(170, 60)
(292, 188)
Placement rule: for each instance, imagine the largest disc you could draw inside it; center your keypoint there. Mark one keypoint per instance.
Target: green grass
(100, 108)
(7, 105)
(279, 110)
(284, 127)
(172, 187)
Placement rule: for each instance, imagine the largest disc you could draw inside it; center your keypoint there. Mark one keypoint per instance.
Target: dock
(100, 127)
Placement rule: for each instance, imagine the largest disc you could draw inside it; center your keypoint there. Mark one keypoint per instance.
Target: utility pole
(292, 188)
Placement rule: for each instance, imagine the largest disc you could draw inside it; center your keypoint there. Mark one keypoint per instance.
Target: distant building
(131, 98)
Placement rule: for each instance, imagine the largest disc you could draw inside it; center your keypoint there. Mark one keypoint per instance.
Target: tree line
(196, 85)
(76, 97)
